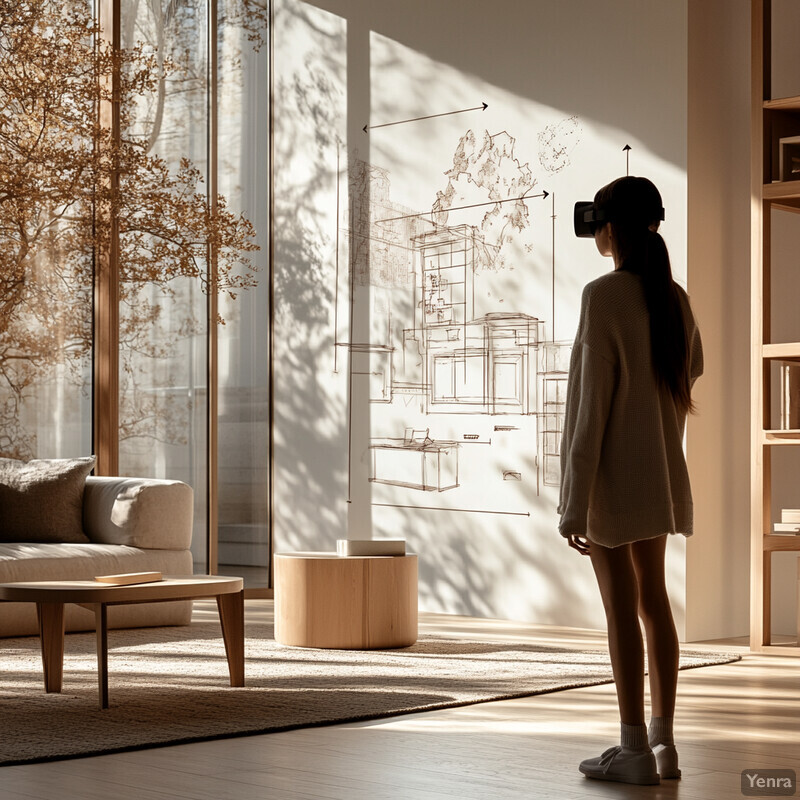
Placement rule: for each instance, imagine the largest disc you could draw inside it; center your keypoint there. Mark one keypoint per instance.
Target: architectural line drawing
(416, 462)
(436, 349)
(543, 194)
(379, 254)
(481, 107)
(457, 510)
(553, 218)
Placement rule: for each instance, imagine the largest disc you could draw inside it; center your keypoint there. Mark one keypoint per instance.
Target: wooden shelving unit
(771, 119)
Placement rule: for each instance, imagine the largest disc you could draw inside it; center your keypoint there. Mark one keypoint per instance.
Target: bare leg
(620, 592)
(654, 609)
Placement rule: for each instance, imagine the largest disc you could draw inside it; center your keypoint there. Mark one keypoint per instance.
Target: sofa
(123, 525)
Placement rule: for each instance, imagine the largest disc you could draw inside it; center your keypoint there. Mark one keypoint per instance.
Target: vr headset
(588, 218)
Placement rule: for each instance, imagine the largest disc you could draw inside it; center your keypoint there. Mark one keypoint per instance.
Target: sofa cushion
(28, 561)
(140, 512)
(61, 562)
(42, 500)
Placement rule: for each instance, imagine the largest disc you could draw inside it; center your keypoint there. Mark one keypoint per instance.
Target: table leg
(101, 627)
(51, 635)
(231, 617)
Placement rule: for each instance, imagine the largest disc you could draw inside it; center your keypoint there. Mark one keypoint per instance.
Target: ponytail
(640, 249)
(669, 343)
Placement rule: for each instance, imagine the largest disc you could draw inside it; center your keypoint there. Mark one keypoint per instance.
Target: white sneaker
(624, 766)
(667, 759)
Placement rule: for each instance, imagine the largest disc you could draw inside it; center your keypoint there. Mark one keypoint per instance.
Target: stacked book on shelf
(789, 524)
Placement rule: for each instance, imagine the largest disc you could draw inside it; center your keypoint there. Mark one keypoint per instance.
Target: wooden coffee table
(50, 597)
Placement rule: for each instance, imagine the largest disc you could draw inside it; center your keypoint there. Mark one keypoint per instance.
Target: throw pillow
(42, 500)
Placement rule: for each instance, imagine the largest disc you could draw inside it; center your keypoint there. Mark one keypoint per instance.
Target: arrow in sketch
(481, 107)
(473, 205)
(627, 151)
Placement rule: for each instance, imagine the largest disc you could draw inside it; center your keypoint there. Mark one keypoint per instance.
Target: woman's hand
(579, 543)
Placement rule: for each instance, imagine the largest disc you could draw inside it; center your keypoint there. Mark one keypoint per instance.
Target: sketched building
(471, 365)
(497, 363)
(555, 370)
(453, 361)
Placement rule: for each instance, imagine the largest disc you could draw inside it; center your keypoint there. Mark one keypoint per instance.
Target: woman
(625, 485)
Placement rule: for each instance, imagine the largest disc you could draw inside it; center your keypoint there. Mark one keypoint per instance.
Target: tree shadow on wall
(309, 410)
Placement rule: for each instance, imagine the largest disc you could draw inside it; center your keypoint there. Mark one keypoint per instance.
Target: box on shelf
(786, 528)
(789, 158)
(370, 547)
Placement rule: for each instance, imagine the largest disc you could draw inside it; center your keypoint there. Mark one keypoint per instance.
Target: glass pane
(243, 342)
(163, 387)
(46, 263)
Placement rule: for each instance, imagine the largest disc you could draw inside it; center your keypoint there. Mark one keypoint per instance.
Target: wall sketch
(436, 416)
(556, 142)
(446, 345)
(416, 461)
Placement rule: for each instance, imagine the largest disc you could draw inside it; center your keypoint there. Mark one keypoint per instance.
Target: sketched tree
(485, 170)
(65, 180)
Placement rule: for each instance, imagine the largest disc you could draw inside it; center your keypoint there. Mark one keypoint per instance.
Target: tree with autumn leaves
(72, 187)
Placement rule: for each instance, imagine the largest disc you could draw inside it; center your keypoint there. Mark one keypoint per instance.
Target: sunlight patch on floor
(485, 726)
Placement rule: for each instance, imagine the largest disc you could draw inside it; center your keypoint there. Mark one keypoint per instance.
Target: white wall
(561, 56)
(717, 570)
(310, 405)
(621, 70)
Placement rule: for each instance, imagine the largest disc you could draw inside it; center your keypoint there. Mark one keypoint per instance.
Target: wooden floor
(730, 718)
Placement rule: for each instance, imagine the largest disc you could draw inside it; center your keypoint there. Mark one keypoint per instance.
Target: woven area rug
(170, 685)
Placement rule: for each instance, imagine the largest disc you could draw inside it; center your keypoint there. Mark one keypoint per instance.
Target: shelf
(788, 191)
(783, 104)
(776, 437)
(772, 120)
(785, 351)
(774, 543)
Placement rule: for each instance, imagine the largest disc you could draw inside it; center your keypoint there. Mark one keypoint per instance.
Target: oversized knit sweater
(623, 470)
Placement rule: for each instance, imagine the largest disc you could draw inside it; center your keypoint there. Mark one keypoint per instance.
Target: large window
(209, 106)
(149, 209)
(46, 255)
(163, 346)
(244, 367)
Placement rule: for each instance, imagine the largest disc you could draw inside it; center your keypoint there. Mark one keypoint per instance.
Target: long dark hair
(633, 206)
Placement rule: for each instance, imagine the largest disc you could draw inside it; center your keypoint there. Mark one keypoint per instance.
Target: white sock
(660, 731)
(633, 737)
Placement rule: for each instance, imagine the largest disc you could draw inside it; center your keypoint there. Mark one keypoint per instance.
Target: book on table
(128, 578)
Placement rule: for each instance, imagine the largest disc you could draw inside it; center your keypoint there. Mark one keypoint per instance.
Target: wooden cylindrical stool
(345, 602)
